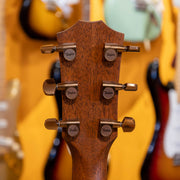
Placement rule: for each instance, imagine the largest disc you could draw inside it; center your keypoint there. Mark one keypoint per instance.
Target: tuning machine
(112, 50)
(128, 125)
(109, 88)
(68, 50)
(70, 88)
(71, 126)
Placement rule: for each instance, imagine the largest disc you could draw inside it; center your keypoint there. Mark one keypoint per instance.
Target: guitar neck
(95, 169)
(2, 51)
(177, 79)
(86, 10)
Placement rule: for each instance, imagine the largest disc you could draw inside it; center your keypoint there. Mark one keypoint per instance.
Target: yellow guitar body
(47, 23)
(43, 21)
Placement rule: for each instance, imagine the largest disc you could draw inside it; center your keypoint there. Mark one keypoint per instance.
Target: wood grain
(89, 149)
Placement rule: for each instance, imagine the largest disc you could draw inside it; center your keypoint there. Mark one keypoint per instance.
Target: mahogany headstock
(91, 77)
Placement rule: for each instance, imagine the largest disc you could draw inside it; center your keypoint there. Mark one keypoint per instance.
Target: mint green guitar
(138, 20)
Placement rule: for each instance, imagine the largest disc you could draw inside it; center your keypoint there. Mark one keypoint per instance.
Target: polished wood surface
(89, 149)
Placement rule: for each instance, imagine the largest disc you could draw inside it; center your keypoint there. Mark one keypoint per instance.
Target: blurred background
(28, 150)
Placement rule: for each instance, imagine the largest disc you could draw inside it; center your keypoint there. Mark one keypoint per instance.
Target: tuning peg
(128, 125)
(72, 126)
(111, 50)
(50, 87)
(130, 87)
(68, 50)
(109, 88)
(51, 124)
(48, 49)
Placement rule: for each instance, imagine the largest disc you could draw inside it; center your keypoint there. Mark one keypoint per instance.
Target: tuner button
(130, 87)
(48, 49)
(49, 87)
(128, 124)
(118, 86)
(69, 54)
(51, 124)
(106, 130)
(71, 93)
(133, 49)
(110, 55)
(121, 49)
(108, 93)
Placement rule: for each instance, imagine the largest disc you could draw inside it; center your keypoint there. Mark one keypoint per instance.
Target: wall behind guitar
(25, 61)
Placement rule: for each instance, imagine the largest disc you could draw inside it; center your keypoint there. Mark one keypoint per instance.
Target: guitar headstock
(90, 66)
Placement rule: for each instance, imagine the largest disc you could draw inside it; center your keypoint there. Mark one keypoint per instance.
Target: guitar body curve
(40, 23)
(157, 165)
(122, 16)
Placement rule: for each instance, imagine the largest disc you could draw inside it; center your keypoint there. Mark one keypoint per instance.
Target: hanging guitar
(42, 19)
(11, 155)
(163, 159)
(143, 19)
(90, 54)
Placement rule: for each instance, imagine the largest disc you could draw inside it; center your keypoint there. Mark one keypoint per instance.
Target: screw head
(69, 54)
(110, 55)
(108, 93)
(71, 93)
(73, 130)
(106, 130)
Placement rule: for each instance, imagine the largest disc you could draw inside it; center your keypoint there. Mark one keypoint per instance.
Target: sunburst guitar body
(42, 20)
(163, 159)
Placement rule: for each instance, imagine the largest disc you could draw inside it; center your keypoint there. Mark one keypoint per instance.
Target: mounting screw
(69, 54)
(110, 55)
(106, 130)
(71, 93)
(73, 130)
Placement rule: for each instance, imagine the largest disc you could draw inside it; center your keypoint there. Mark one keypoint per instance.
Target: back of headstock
(90, 54)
